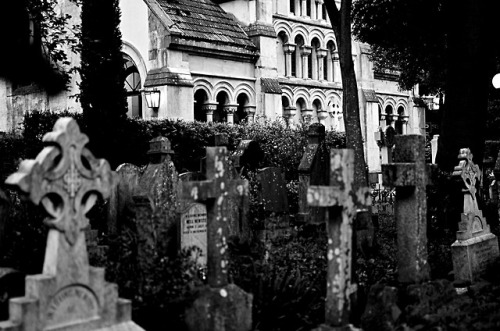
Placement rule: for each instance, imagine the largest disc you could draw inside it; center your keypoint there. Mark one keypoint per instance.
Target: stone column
(289, 114)
(306, 115)
(434, 148)
(404, 120)
(320, 54)
(329, 66)
(297, 7)
(336, 67)
(230, 109)
(322, 115)
(288, 49)
(209, 109)
(305, 52)
(313, 10)
(319, 12)
(250, 111)
(303, 8)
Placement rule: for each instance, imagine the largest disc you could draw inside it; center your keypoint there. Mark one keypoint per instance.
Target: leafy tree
(102, 95)
(442, 45)
(39, 39)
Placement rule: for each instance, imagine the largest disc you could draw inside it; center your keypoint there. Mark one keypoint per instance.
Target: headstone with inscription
(476, 247)
(342, 202)
(193, 221)
(220, 305)
(70, 295)
(410, 175)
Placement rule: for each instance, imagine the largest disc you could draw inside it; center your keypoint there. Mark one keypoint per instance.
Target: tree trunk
(341, 23)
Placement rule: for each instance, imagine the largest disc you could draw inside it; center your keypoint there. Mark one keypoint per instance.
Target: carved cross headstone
(475, 246)
(409, 174)
(220, 306)
(66, 179)
(215, 192)
(342, 201)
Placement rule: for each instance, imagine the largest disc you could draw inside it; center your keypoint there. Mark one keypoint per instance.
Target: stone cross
(469, 174)
(215, 193)
(66, 179)
(409, 174)
(341, 199)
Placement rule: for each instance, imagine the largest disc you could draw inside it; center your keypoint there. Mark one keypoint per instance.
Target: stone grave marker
(410, 175)
(156, 208)
(121, 205)
(70, 295)
(313, 170)
(219, 306)
(434, 148)
(273, 196)
(341, 203)
(476, 247)
(193, 220)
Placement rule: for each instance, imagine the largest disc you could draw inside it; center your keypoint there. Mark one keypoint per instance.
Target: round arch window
(132, 84)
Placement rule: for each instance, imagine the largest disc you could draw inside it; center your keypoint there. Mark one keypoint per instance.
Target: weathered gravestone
(70, 295)
(193, 221)
(476, 247)
(313, 170)
(121, 205)
(219, 306)
(409, 174)
(155, 201)
(273, 196)
(341, 202)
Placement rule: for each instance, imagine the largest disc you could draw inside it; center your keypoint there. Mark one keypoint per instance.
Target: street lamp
(152, 98)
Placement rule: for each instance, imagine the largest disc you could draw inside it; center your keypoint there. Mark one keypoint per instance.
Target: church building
(240, 60)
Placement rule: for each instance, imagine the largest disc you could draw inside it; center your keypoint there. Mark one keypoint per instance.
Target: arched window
(299, 41)
(282, 40)
(301, 106)
(328, 66)
(388, 115)
(400, 120)
(219, 113)
(240, 114)
(316, 108)
(200, 98)
(292, 6)
(308, 8)
(133, 87)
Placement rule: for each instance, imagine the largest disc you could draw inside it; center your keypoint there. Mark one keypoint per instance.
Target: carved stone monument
(70, 295)
(341, 201)
(219, 306)
(476, 247)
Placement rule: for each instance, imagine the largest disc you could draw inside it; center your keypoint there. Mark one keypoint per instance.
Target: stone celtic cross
(410, 175)
(65, 178)
(215, 192)
(470, 175)
(341, 200)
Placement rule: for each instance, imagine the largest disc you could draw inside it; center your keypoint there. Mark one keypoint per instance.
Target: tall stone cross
(66, 179)
(215, 192)
(410, 175)
(341, 201)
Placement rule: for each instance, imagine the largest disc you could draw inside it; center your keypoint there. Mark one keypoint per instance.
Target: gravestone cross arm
(340, 195)
(214, 192)
(66, 178)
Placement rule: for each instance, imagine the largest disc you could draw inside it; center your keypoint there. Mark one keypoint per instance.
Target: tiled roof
(270, 85)
(205, 21)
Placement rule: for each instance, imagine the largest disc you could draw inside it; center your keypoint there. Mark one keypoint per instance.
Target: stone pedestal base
(227, 308)
(471, 257)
